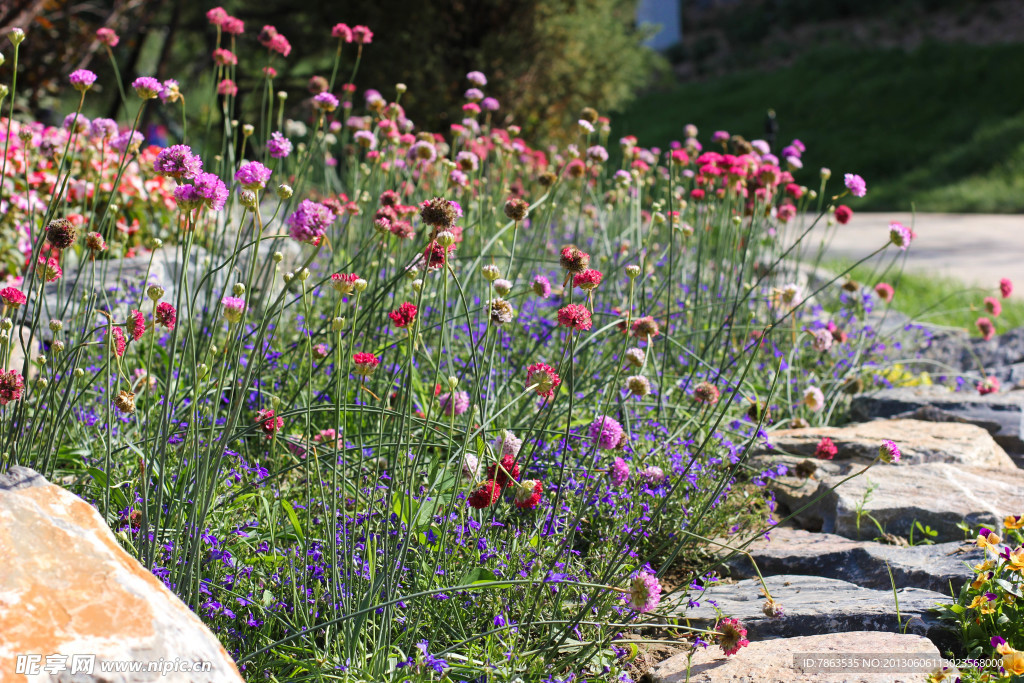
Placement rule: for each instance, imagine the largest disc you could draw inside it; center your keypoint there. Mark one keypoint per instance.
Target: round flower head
(574, 260)
(989, 385)
(477, 78)
(455, 403)
(61, 233)
(638, 385)
(516, 209)
(889, 452)
(652, 474)
(987, 329)
(507, 471)
(178, 162)
(365, 363)
(278, 146)
(82, 79)
(253, 175)
(125, 402)
(343, 32)
(217, 16)
(814, 399)
(606, 433)
(588, 280)
(166, 315)
(635, 357)
(102, 129)
(485, 496)
(234, 308)
(227, 87)
(470, 466)
(344, 283)
(147, 87)
(48, 269)
(855, 184)
(107, 36)
(821, 340)
(732, 636)
(269, 423)
(170, 91)
(12, 298)
(439, 212)
(310, 221)
(646, 327)
(490, 104)
(597, 153)
(706, 392)
(95, 243)
(212, 190)
(501, 311)
(362, 35)
(884, 291)
(544, 377)
(404, 315)
(474, 95)
(618, 472)
(1005, 287)
(993, 306)
(137, 323)
(129, 140)
(365, 139)
(825, 450)
(12, 385)
(900, 235)
(502, 287)
(325, 101)
(644, 592)
(541, 286)
(509, 444)
(575, 316)
(527, 494)
(843, 214)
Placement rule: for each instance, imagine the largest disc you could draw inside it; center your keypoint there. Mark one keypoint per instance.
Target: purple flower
(147, 87)
(606, 432)
(169, 91)
(541, 287)
(253, 175)
(476, 78)
(178, 162)
(188, 197)
(325, 101)
(102, 129)
(128, 140)
(279, 146)
(212, 189)
(889, 452)
(855, 184)
(490, 104)
(619, 472)
(474, 95)
(78, 121)
(900, 235)
(455, 403)
(82, 79)
(309, 221)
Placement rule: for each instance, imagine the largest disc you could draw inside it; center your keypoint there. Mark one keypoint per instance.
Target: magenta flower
(253, 175)
(855, 184)
(178, 162)
(278, 145)
(900, 235)
(12, 385)
(212, 189)
(234, 308)
(107, 36)
(343, 32)
(541, 286)
(889, 452)
(309, 221)
(325, 101)
(147, 87)
(102, 129)
(477, 78)
(82, 79)
(362, 35)
(128, 140)
(606, 433)
(644, 593)
(618, 472)
(490, 104)
(455, 403)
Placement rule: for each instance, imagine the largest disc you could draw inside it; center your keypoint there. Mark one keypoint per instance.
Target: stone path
(975, 248)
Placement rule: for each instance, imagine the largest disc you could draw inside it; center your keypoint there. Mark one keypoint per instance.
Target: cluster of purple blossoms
(253, 175)
(178, 162)
(606, 432)
(309, 221)
(455, 403)
(102, 129)
(128, 140)
(82, 79)
(147, 87)
(207, 189)
(325, 101)
(618, 472)
(278, 146)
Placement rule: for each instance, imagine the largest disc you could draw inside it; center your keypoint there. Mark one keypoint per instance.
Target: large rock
(939, 495)
(809, 659)
(68, 589)
(966, 353)
(919, 441)
(937, 567)
(813, 604)
(21, 340)
(1000, 413)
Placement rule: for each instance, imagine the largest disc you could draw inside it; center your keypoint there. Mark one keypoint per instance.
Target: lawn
(940, 127)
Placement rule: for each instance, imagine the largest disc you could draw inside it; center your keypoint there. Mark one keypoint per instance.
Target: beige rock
(796, 660)
(919, 441)
(67, 588)
(19, 343)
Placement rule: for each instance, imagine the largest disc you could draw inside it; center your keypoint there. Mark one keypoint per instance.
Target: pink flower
(993, 306)
(825, 450)
(253, 175)
(541, 286)
(618, 472)
(12, 298)
(455, 403)
(1005, 287)
(644, 593)
(855, 184)
(606, 433)
(280, 45)
(269, 423)
(989, 385)
(365, 363)
(178, 162)
(49, 269)
(108, 37)
(884, 291)
(889, 452)
(706, 392)
(900, 235)
(233, 26)
(843, 214)
(732, 636)
(234, 308)
(119, 341)
(227, 87)
(575, 316)
(217, 16)
(588, 280)
(343, 32)
(166, 315)
(544, 377)
(404, 315)
(12, 385)
(362, 35)
(527, 494)
(82, 79)
(147, 87)
(224, 57)
(138, 325)
(987, 329)
(477, 78)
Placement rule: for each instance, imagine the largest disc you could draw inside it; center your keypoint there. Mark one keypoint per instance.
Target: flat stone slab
(919, 441)
(939, 495)
(864, 563)
(1002, 414)
(815, 604)
(809, 659)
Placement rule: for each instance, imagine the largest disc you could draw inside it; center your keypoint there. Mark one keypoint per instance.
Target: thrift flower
(310, 221)
(365, 363)
(900, 235)
(855, 184)
(644, 593)
(504, 472)
(138, 324)
(404, 315)
(12, 386)
(12, 298)
(82, 79)
(49, 269)
(575, 316)
(253, 175)
(987, 329)
(269, 423)
(889, 452)
(606, 433)
(825, 450)
(843, 214)
(544, 377)
(618, 472)
(107, 36)
(485, 496)
(732, 636)
(706, 392)
(541, 286)
(1005, 287)
(527, 494)
(993, 306)
(178, 162)
(884, 291)
(588, 280)
(455, 403)
(278, 146)
(234, 308)
(989, 385)
(166, 315)
(147, 87)
(814, 399)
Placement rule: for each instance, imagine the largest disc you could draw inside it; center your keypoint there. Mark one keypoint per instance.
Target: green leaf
(290, 511)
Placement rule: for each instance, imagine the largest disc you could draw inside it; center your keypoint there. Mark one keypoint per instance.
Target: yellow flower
(1013, 662)
(988, 608)
(1012, 522)
(984, 566)
(977, 602)
(979, 582)
(990, 542)
(1016, 561)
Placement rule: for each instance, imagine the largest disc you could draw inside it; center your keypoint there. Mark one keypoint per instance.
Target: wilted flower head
(516, 209)
(638, 385)
(439, 212)
(822, 340)
(646, 327)
(635, 357)
(706, 392)
(501, 311)
(574, 260)
(61, 233)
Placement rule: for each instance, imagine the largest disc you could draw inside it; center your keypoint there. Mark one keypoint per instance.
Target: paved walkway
(975, 248)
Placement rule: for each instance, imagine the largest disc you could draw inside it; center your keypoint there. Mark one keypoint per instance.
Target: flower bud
(446, 238)
(157, 243)
(16, 35)
(491, 272)
(213, 349)
(57, 346)
(502, 286)
(6, 324)
(41, 384)
(155, 292)
(360, 285)
(399, 87)
(417, 285)
(79, 373)
(247, 198)
(248, 130)
(303, 274)
(338, 324)
(288, 277)
(632, 270)
(56, 325)
(278, 257)
(4, 92)
(238, 289)
(2, 59)
(453, 382)
(282, 95)
(285, 191)
(203, 370)
(40, 361)
(826, 173)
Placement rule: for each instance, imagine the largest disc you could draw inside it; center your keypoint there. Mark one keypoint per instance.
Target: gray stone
(70, 589)
(919, 441)
(779, 661)
(1002, 411)
(20, 341)
(939, 495)
(813, 604)
(940, 567)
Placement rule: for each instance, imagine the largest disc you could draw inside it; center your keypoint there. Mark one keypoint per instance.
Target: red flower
(12, 297)
(166, 315)
(269, 423)
(138, 325)
(989, 385)
(843, 214)
(575, 316)
(365, 363)
(588, 280)
(119, 341)
(574, 259)
(404, 316)
(11, 386)
(826, 450)
(528, 494)
(545, 377)
(509, 467)
(485, 496)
